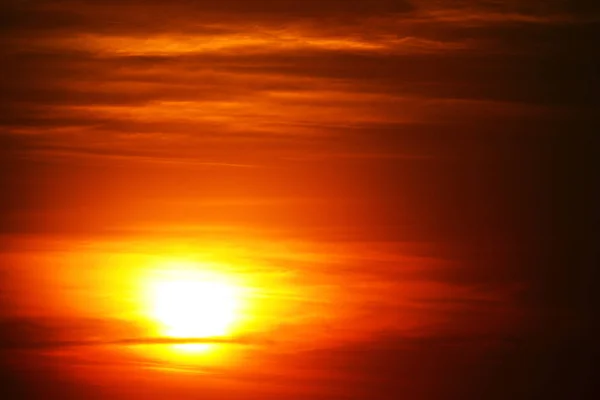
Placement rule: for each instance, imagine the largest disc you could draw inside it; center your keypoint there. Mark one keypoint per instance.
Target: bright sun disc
(194, 307)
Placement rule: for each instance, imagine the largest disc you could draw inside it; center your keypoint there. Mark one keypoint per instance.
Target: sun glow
(194, 306)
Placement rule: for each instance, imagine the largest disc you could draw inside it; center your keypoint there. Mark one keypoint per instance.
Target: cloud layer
(422, 160)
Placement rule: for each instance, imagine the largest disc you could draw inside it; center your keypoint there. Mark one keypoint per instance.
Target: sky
(404, 187)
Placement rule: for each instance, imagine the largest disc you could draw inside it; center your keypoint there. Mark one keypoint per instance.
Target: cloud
(283, 70)
(49, 345)
(47, 333)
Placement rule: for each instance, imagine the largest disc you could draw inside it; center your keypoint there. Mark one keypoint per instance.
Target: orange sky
(382, 177)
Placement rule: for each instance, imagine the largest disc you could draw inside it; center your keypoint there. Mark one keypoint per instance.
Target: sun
(194, 306)
(195, 309)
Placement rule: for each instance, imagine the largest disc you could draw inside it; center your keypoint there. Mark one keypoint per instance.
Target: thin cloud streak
(82, 154)
(141, 341)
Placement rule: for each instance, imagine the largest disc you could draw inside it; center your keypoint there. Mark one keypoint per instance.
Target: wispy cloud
(143, 341)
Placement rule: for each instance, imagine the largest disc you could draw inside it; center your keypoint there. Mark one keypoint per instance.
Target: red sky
(403, 183)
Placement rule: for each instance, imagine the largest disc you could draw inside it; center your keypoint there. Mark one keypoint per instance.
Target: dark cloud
(135, 17)
(471, 366)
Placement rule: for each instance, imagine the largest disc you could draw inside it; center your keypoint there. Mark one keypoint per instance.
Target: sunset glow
(296, 199)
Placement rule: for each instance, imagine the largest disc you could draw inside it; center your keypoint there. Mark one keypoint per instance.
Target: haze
(251, 199)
